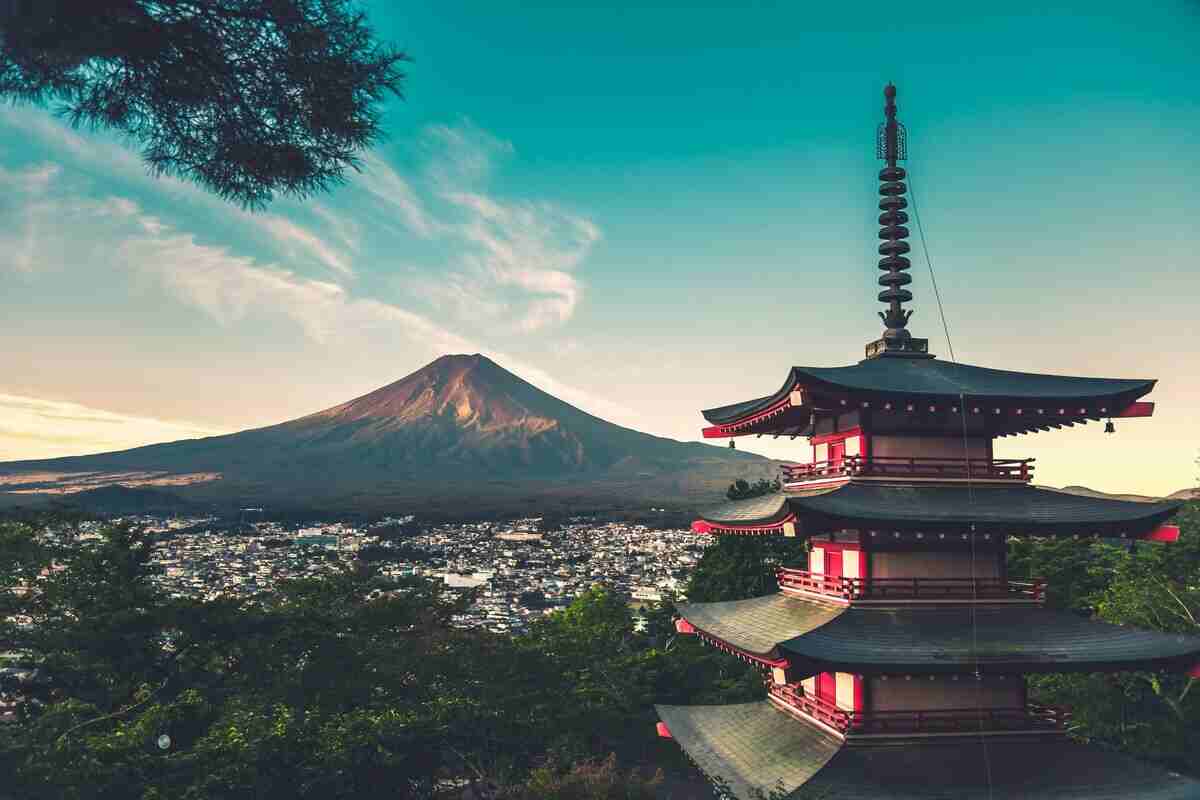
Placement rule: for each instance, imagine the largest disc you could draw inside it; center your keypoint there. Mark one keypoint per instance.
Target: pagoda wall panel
(935, 564)
(921, 693)
(845, 693)
(888, 446)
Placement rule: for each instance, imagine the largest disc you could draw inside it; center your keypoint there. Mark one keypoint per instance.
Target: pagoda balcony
(1032, 718)
(910, 589)
(980, 469)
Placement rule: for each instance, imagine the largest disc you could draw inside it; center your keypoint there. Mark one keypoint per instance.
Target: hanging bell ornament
(1109, 427)
(732, 446)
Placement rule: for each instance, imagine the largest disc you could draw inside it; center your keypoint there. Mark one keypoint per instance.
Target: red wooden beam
(663, 731)
(1138, 409)
(684, 627)
(1194, 672)
(702, 526)
(1163, 533)
(715, 432)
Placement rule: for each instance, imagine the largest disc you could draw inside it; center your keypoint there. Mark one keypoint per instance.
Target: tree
(330, 688)
(1153, 715)
(741, 489)
(739, 567)
(586, 780)
(248, 98)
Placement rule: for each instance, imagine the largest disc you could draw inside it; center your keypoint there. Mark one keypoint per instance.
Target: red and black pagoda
(895, 662)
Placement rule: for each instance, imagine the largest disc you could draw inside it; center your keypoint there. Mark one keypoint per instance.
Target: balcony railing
(910, 588)
(1033, 717)
(1007, 469)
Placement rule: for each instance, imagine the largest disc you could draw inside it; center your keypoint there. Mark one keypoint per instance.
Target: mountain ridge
(457, 424)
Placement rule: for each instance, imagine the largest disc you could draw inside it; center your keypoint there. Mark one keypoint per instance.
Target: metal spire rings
(890, 146)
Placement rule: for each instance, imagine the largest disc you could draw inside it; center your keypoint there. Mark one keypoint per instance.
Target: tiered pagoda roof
(884, 509)
(758, 747)
(815, 636)
(1024, 401)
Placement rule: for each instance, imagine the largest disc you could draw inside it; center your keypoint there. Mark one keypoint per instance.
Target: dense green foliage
(738, 567)
(340, 687)
(1153, 715)
(742, 489)
(248, 98)
(354, 687)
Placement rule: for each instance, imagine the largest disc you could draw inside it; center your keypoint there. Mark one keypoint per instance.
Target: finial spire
(891, 146)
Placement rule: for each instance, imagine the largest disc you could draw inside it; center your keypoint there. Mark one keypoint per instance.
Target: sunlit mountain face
(461, 427)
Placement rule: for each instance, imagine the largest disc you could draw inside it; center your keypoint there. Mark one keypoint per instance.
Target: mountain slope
(455, 424)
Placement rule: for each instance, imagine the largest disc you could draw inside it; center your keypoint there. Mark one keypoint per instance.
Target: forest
(356, 687)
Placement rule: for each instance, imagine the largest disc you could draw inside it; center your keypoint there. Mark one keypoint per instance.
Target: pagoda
(895, 661)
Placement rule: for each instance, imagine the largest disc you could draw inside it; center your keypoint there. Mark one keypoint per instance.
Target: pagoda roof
(818, 637)
(762, 510)
(757, 748)
(1011, 402)
(1014, 510)
(757, 625)
(994, 639)
(932, 378)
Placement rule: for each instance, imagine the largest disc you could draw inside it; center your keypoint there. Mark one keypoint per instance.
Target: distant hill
(117, 499)
(461, 431)
(1182, 494)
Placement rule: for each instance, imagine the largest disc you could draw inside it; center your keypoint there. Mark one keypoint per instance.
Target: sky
(646, 211)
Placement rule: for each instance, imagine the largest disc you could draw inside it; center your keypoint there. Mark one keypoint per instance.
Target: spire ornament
(891, 145)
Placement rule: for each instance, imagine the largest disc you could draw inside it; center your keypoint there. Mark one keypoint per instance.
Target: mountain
(461, 430)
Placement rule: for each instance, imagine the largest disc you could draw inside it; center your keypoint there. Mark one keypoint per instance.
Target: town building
(895, 662)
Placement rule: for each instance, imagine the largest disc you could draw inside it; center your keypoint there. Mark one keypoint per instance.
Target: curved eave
(767, 514)
(755, 749)
(880, 509)
(931, 380)
(754, 627)
(992, 640)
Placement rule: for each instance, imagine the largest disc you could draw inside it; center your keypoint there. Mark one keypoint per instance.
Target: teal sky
(646, 211)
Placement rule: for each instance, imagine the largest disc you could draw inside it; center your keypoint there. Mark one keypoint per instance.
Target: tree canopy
(249, 98)
(349, 686)
(353, 686)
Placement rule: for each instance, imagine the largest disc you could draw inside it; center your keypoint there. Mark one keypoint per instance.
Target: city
(518, 572)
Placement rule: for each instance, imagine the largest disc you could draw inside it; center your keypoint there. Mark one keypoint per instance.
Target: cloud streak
(507, 262)
(33, 427)
(510, 262)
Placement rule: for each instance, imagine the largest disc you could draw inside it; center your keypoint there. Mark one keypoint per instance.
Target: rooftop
(754, 747)
(822, 637)
(990, 509)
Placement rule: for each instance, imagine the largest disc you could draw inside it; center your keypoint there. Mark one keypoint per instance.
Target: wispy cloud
(231, 288)
(509, 261)
(103, 153)
(293, 236)
(387, 185)
(33, 427)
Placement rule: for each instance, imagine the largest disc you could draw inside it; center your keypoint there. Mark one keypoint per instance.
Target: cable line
(962, 410)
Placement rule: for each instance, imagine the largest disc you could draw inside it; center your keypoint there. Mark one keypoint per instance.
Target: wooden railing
(1009, 469)
(820, 710)
(1032, 717)
(910, 588)
(957, 720)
